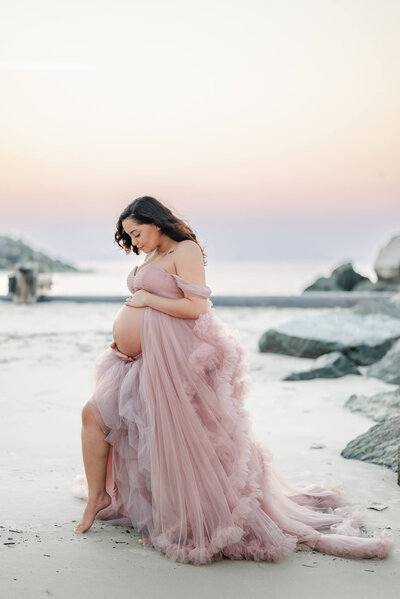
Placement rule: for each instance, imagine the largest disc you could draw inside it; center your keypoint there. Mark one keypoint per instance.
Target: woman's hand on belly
(119, 354)
(140, 299)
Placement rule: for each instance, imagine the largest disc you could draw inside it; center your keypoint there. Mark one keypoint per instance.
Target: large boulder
(362, 338)
(342, 278)
(378, 407)
(388, 368)
(378, 445)
(327, 366)
(387, 264)
(390, 307)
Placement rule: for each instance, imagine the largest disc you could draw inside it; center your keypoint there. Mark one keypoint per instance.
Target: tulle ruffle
(184, 468)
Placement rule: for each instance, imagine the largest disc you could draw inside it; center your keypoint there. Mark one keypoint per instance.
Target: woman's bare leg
(95, 451)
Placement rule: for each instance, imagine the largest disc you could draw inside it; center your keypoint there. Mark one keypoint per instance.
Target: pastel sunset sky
(269, 124)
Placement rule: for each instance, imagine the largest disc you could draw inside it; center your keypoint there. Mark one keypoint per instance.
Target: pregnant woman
(166, 440)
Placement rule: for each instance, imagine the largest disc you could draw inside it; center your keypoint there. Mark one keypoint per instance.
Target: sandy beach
(47, 355)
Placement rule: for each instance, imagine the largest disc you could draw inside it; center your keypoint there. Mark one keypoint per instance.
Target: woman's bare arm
(189, 265)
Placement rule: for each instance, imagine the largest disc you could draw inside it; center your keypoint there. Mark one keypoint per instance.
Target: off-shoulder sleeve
(192, 288)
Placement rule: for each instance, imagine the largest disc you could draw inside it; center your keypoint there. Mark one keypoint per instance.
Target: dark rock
(346, 277)
(378, 286)
(378, 445)
(342, 278)
(327, 366)
(363, 339)
(388, 368)
(389, 307)
(323, 284)
(378, 407)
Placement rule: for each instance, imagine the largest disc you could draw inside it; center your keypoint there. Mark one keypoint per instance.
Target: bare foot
(93, 506)
(146, 542)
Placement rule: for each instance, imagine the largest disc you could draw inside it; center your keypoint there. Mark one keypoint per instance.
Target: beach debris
(303, 547)
(379, 445)
(342, 278)
(362, 338)
(378, 406)
(332, 365)
(374, 505)
(387, 368)
(317, 445)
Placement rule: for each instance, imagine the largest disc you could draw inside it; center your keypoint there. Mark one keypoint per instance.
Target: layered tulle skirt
(184, 468)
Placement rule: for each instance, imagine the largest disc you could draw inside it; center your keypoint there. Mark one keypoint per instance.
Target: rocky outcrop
(362, 338)
(387, 265)
(327, 366)
(378, 445)
(388, 286)
(388, 368)
(390, 307)
(14, 251)
(378, 407)
(342, 278)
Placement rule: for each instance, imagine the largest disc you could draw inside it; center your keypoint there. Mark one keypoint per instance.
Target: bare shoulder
(189, 262)
(189, 247)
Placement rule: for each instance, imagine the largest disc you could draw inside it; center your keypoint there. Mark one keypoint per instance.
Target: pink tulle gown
(184, 468)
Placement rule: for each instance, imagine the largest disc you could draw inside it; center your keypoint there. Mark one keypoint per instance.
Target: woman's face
(145, 237)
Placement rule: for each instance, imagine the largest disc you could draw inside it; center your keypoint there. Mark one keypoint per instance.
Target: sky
(271, 126)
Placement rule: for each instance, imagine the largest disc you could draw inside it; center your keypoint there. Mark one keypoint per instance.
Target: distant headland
(14, 251)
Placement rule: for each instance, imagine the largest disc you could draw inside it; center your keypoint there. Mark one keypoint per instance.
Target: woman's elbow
(198, 311)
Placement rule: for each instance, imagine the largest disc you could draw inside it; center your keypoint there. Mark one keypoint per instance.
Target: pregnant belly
(126, 330)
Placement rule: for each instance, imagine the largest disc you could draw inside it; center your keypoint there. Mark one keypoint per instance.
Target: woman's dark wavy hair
(148, 210)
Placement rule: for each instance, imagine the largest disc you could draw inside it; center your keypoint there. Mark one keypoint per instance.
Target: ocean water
(224, 277)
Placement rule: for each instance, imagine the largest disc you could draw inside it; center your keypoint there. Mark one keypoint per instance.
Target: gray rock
(378, 286)
(363, 339)
(327, 366)
(343, 278)
(388, 368)
(387, 265)
(346, 277)
(323, 284)
(378, 445)
(389, 307)
(378, 407)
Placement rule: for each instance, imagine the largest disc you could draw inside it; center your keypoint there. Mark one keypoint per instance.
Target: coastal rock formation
(388, 368)
(327, 366)
(378, 407)
(389, 286)
(390, 307)
(387, 265)
(362, 338)
(378, 445)
(14, 251)
(342, 278)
